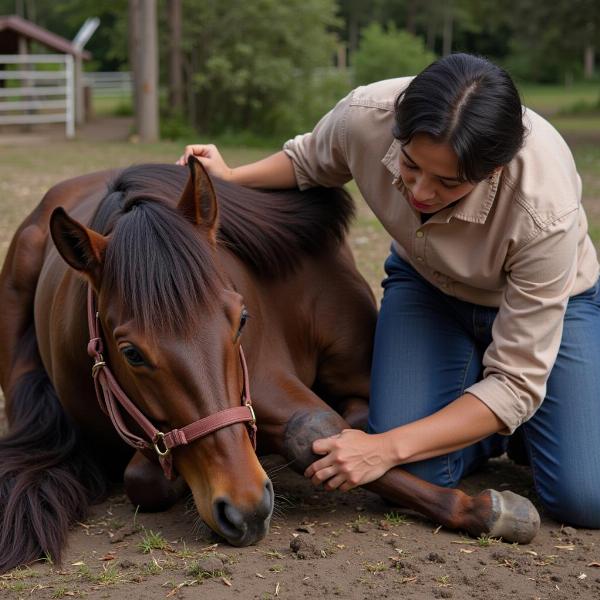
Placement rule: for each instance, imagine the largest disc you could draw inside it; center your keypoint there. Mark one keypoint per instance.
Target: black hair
(470, 103)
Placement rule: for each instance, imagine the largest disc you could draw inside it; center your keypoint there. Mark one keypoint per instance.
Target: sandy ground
(320, 544)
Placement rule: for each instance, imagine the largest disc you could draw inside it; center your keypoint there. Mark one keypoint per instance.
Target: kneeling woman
(490, 318)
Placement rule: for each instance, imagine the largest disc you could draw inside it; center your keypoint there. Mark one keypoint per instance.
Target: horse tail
(47, 480)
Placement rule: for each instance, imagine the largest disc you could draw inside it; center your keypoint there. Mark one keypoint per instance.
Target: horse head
(172, 325)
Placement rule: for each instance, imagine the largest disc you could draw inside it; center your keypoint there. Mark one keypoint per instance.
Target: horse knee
(147, 487)
(303, 429)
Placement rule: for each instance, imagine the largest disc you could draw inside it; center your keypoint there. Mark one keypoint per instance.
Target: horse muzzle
(243, 527)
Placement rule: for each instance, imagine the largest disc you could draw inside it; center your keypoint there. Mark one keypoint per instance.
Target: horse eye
(244, 317)
(243, 320)
(133, 356)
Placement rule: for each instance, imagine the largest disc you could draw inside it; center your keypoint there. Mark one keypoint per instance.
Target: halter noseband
(111, 396)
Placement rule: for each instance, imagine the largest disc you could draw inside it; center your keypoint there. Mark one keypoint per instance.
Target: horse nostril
(268, 499)
(241, 528)
(229, 519)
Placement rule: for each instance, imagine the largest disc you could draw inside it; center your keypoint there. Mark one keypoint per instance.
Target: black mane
(156, 255)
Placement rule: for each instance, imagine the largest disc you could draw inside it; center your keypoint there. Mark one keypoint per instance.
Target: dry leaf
(594, 564)
(567, 547)
(108, 556)
(226, 581)
(465, 551)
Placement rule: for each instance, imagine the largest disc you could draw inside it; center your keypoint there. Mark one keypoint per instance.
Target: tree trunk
(448, 26)
(589, 61)
(175, 57)
(353, 29)
(133, 26)
(147, 93)
(411, 14)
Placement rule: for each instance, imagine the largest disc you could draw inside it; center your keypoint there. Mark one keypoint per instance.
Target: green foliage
(386, 54)
(175, 127)
(254, 63)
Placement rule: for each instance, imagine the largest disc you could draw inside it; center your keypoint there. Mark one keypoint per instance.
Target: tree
(257, 65)
(143, 22)
(392, 53)
(175, 72)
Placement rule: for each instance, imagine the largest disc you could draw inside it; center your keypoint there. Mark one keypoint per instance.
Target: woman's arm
(274, 172)
(354, 458)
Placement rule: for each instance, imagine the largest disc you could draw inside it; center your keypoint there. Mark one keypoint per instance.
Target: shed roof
(13, 26)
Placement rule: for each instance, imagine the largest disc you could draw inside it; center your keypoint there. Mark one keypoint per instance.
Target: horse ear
(198, 203)
(80, 247)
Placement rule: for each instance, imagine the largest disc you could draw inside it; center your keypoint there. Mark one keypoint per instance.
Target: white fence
(109, 84)
(37, 88)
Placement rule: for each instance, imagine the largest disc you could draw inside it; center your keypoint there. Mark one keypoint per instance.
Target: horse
(171, 273)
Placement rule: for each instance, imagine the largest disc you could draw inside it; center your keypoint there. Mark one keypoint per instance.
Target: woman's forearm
(274, 172)
(463, 422)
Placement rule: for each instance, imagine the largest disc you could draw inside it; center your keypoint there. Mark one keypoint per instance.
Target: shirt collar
(473, 208)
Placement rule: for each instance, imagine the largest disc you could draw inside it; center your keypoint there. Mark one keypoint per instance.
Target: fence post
(70, 80)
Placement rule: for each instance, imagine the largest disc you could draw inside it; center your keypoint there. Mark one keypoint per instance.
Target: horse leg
(18, 350)
(501, 514)
(147, 487)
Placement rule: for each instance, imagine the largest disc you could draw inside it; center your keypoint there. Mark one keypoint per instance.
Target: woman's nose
(422, 190)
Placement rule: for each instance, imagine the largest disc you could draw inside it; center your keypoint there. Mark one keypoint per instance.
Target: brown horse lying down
(177, 271)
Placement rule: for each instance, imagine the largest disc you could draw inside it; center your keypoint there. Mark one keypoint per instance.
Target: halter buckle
(160, 437)
(253, 421)
(98, 364)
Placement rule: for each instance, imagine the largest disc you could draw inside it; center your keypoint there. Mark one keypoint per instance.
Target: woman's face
(429, 170)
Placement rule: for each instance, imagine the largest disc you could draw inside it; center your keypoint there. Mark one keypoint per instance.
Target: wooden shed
(38, 88)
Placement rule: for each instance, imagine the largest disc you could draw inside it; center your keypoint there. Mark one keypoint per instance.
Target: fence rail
(28, 103)
(109, 84)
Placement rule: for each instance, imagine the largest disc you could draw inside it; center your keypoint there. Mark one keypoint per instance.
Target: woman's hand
(210, 157)
(352, 458)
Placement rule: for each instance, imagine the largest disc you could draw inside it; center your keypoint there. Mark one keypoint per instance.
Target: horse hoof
(513, 518)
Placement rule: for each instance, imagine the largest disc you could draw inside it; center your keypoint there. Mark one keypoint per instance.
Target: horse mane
(157, 255)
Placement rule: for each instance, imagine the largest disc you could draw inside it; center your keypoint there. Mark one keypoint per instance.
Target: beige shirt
(518, 241)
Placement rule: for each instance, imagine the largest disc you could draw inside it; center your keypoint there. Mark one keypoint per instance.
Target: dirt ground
(320, 544)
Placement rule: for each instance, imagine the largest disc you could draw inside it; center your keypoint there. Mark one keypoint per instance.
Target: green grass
(152, 540)
(485, 540)
(394, 518)
(196, 571)
(551, 99)
(113, 106)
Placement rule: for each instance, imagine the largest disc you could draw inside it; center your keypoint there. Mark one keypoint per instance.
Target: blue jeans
(429, 349)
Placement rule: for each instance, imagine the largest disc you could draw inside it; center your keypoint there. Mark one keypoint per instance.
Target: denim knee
(574, 506)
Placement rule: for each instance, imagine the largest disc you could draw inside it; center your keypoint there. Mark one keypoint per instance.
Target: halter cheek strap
(112, 399)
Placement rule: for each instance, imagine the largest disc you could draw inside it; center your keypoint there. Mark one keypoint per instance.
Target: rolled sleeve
(319, 157)
(527, 331)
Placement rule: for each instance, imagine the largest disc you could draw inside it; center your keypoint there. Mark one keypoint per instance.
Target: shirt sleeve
(527, 331)
(319, 157)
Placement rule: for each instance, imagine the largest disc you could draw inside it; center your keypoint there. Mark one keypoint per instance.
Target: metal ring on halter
(98, 365)
(160, 436)
(253, 422)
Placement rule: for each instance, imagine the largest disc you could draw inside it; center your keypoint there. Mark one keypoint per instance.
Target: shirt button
(419, 259)
(420, 234)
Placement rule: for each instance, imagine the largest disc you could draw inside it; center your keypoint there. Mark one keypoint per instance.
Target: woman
(491, 303)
